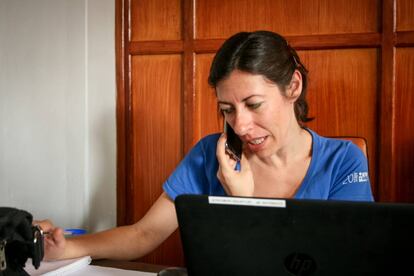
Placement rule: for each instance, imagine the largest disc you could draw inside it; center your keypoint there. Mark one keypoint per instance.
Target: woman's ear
(294, 89)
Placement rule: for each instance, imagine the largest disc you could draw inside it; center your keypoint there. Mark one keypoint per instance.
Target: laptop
(257, 236)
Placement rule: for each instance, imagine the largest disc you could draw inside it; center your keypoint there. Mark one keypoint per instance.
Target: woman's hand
(235, 183)
(54, 240)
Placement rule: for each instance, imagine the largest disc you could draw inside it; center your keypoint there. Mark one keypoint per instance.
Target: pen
(69, 232)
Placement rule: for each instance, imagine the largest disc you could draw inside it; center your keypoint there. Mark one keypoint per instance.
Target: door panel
(221, 19)
(156, 136)
(210, 120)
(404, 124)
(156, 20)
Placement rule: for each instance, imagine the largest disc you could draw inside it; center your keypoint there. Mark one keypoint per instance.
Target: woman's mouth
(257, 141)
(257, 144)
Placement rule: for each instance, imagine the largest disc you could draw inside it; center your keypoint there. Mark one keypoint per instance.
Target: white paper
(92, 270)
(55, 268)
(79, 267)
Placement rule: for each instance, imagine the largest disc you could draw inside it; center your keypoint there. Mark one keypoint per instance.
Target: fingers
(244, 163)
(54, 240)
(225, 161)
(58, 235)
(221, 148)
(55, 236)
(220, 177)
(54, 243)
(235, 182)
(46, 225)
(43, 223)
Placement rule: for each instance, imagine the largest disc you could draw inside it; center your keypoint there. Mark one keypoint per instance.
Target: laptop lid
(254, 236)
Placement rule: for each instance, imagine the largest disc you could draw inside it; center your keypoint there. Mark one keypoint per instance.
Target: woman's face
(257, 111)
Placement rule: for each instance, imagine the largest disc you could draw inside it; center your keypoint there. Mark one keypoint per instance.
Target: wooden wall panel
(405, 15)
(156, 143)
(209, 119)
(221, 19)
(155, 20)
(360, 84)
(342, 95)
(157, 146)
(404, 124)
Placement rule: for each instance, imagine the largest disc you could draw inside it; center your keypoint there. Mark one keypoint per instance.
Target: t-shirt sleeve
(352, 180)
(189, 177)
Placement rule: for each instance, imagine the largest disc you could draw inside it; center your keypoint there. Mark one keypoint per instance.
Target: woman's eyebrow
(251, 96)
(224, 102)
(244, 100)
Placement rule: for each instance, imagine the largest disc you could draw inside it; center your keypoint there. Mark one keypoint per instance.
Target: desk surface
(129, 265)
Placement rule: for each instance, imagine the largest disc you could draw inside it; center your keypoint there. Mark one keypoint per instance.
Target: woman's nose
(242, 123)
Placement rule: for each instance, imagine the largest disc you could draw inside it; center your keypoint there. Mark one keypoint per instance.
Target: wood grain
(405, 15)
(220, 19)
(404, 39)
(307, 42)
(208, 118)
(404, 124)
(189, 75)
(342, 95)
(156, 20)
(157, 130)
(122, 114)
(386, 161)
(301, 42)
(156, 47)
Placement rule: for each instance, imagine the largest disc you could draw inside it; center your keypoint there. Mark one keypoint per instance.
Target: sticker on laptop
(279, 203)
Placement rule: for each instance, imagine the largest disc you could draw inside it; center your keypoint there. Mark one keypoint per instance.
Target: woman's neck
(298, 145)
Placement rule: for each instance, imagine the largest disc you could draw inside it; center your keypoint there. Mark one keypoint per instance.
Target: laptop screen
(254, 236)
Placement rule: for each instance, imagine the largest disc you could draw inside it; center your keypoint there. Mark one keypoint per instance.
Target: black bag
(19, 240)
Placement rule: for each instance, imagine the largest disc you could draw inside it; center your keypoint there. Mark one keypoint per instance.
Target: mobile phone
(234, 145)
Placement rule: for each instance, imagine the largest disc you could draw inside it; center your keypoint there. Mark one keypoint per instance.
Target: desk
(129, 265)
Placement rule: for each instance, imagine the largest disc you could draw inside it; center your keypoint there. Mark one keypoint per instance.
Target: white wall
(57, 110)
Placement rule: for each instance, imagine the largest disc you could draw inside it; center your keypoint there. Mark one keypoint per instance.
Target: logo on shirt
(356, 177)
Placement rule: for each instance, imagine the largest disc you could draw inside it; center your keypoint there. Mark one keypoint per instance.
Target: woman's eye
(227, 110)
(254, 105)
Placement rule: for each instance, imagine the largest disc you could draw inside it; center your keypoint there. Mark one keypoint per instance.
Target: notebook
(78, 267)
(254, 236)
(56, 268)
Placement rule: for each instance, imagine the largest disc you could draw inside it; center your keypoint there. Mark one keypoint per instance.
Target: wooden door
(361, 84)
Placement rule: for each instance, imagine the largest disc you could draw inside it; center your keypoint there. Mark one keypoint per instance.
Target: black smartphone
(234, 146)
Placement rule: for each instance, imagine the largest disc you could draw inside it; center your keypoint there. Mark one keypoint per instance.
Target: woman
(260, 84)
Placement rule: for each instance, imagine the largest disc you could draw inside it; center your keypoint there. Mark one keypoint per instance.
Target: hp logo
(300, 264)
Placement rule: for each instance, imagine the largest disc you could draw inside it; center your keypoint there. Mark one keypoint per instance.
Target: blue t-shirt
(338, 171)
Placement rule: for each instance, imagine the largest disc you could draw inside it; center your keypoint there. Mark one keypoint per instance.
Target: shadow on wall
(102, 172)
